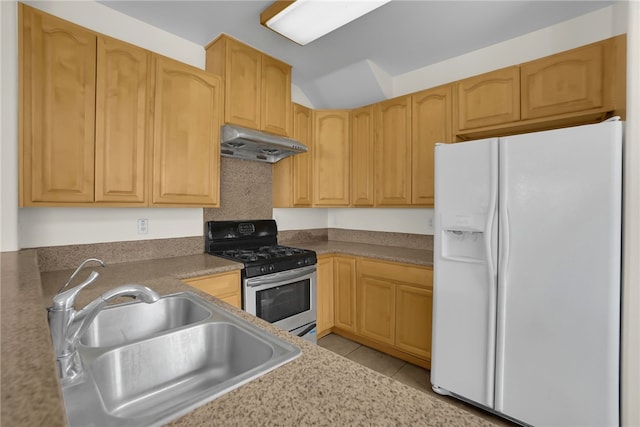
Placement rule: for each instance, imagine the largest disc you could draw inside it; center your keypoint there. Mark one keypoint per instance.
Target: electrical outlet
(143, 226)
(431, 223)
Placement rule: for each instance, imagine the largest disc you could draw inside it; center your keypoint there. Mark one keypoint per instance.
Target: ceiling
(339, 70)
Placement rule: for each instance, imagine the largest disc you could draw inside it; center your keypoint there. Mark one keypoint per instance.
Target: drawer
(217, 284)
(396, 272)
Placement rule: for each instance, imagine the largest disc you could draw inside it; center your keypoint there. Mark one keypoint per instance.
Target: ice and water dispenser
(463, 237)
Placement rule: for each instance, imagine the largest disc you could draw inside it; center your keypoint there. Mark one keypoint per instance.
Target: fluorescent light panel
(307, 20)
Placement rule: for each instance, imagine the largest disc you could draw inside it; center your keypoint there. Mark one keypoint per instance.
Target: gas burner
(254, 243)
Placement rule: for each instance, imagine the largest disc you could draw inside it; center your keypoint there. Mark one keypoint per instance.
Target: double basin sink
(147, 364)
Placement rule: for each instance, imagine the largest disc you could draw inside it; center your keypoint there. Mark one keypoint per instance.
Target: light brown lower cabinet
(381, 304)
(325, 300)
(413, 319)
(224, 286)
(376, 308)
(344, 285)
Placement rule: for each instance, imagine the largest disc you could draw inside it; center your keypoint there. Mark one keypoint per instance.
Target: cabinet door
(303, 163)
(331, 159)
(431, 114)
(344, 282)
(413, 320)
(123, 91)
(325, 295)
(243, 77)
(58, 71)
(393, 152)
(362, 158)
(186, 154)
(563, 83)
(377, 309)
(282, 184)
(224, 286)
(275, 107)
(489, 99)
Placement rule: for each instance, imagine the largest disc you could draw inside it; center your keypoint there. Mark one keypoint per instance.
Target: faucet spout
(84, 317)
(68, 325)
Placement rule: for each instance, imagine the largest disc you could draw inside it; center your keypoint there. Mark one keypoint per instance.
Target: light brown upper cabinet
(186, 146)
(87, 115)
(392, 122)
(282, 183)
(293, 175)
(574, 87)
(362, 157)
(257, 86)
(85, 105)
(576, 80)
(488, 99)
(58, 92)
(124, 89)
(331, 157)
(431, 114)
(303, 163)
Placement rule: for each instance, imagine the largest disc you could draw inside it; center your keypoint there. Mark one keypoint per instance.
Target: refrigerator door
(464, 300)
(559, 277)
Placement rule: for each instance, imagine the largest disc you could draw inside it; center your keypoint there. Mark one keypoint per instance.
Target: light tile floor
(411, 375)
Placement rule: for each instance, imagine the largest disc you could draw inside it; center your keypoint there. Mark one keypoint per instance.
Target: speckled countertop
(318, 388)
(388, 253)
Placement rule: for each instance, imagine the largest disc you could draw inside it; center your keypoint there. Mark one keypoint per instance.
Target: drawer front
(397, 272)
(218, 285)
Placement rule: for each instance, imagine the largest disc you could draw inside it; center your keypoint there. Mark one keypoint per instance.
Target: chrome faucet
(68, 325)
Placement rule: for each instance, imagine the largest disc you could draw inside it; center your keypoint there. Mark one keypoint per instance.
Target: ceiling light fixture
(304, 21)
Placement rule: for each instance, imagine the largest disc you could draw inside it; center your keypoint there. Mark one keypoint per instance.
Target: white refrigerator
(526, 316)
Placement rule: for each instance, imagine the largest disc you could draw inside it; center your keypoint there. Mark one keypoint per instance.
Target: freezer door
(464, 297)
(559, 276)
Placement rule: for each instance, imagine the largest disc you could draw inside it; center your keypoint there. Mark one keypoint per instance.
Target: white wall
(62, 226)
(8, 127)
(414, 221)
(630, 375)
(72, 226)
(589, 28)
(300, 218)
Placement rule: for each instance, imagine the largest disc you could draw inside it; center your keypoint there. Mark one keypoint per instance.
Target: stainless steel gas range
(278, 282)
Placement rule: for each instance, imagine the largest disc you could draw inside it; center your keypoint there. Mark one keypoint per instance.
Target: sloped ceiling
(353, 65)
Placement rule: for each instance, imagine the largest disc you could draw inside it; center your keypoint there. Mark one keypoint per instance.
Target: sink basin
(170, 369)
(129, 322)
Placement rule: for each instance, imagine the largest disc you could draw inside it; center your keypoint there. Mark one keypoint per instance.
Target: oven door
(287, 299)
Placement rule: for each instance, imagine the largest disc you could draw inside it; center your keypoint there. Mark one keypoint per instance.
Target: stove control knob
(263, 269)
(271, 267)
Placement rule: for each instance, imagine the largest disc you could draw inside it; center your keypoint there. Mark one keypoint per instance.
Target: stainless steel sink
(132, 321)
(166, 372)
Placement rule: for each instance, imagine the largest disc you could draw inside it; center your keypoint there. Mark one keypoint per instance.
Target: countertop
(388, 253)
(318, 388)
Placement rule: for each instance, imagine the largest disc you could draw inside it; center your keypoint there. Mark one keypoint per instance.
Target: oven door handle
(279, 277)
(307, 330)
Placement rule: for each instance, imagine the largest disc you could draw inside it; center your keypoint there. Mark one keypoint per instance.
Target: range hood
(249, 144)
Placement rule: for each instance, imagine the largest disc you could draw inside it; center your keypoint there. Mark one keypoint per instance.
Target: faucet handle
(80, 267)
(66, 300)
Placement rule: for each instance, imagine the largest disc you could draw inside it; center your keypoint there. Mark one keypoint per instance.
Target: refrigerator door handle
(491, 270)
(503, 255)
